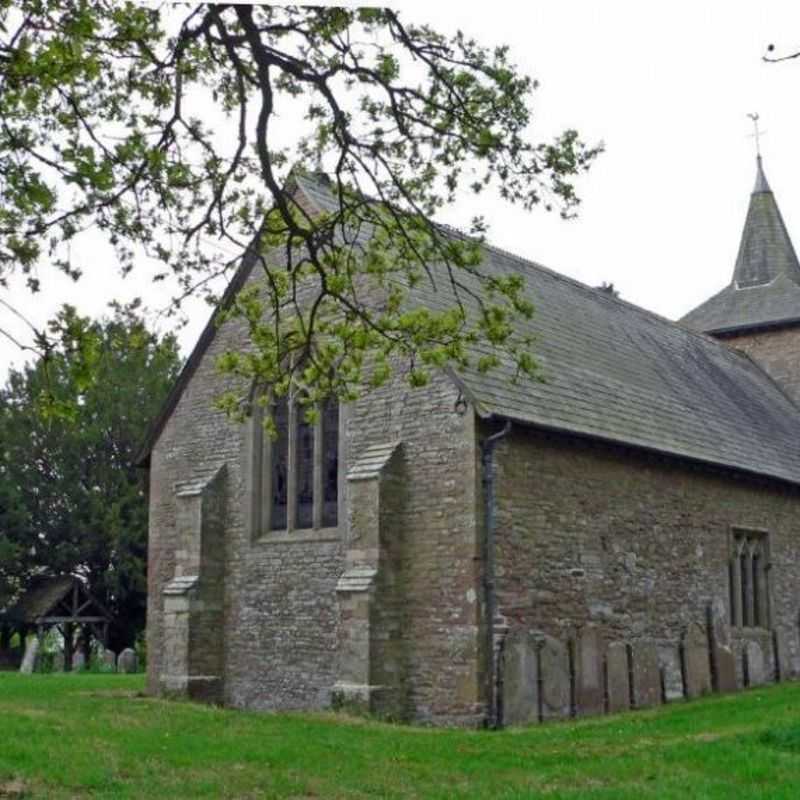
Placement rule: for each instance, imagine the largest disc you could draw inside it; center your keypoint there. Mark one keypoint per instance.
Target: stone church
(479, 551)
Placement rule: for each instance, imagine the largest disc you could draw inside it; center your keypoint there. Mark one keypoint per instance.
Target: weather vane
(756, 133)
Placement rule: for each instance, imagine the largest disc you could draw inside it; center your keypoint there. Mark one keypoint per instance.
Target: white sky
(666, 86)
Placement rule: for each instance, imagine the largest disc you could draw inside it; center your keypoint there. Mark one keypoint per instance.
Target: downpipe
(489, 587)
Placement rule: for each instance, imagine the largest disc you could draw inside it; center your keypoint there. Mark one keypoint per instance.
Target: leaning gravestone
(29, 658)
(589, 673)
(646, 675)
(555, 679)
(128, 661)
(754, 662)
(697, 666)
(618, 688)
(669, 663)
(78, 661)
(520, 679)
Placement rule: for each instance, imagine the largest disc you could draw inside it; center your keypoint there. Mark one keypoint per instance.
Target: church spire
(761, 178)
(765, 250)
(765, 289)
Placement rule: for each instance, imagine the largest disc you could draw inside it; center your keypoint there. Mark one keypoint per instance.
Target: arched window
(294, 480)
(748, 579)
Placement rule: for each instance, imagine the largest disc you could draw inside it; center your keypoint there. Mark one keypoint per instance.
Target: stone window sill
(300, 535)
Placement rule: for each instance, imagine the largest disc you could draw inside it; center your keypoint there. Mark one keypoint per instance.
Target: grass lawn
(78, 736)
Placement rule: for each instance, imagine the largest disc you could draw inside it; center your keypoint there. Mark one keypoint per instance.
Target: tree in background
(168, 127)
(71, 500)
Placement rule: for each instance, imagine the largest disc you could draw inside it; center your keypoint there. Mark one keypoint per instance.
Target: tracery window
(748, 575)
(294, 478)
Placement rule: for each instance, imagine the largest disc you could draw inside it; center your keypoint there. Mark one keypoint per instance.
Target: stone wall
(777, 351)
(635, 548)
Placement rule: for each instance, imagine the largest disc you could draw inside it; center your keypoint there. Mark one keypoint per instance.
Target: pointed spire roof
(765, 288)
(761, 178)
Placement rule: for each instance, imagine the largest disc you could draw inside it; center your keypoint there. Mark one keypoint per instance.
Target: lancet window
(749, 580)
(294, 477)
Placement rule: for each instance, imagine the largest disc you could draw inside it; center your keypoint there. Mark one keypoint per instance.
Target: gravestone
(697, 666)
(646, 675)
(755, 668)
(78, 661)
(128, 661)
(782, 663)
(726, 669)
(618, 689)
(723, 661)
(670, 665)
(29, 658)
(108, 660)
(589, 697)
(555, 679)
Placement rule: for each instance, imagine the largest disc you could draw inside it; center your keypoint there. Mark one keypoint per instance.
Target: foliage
(167, 127)
(96, 736)
(71, 500)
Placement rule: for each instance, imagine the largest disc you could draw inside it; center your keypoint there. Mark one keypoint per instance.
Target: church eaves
(765, 288)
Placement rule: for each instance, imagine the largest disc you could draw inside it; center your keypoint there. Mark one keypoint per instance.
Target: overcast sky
(668, 88)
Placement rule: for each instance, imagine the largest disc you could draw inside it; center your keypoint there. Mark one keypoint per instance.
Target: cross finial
(756, 132)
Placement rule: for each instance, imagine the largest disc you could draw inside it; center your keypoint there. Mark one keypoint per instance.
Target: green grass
(75, 736)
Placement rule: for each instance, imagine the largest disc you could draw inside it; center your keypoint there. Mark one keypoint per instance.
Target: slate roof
(618, 373)
(765, 287)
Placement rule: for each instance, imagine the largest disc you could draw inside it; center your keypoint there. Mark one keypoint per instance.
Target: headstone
(29, 659)
(58, 661)
(589, 697)
(726, 670)
(618, 689)
(697, 665)
(555, 679)
(723, 662)
(520, 679)
(754, 664)
(78, 661)
(128, 662)
(108, 660)
(669, 663)
(646, 675)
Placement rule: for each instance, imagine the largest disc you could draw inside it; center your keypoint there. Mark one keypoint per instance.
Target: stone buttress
(370, 671)
(193, 599)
